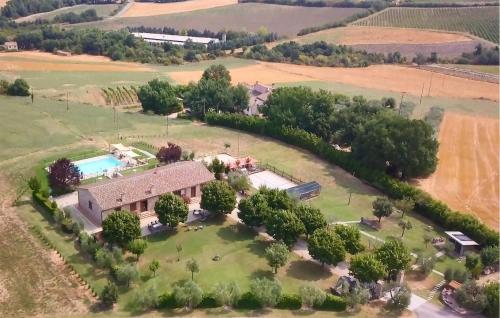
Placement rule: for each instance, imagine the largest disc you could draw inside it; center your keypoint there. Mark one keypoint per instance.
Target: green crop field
(479, 21)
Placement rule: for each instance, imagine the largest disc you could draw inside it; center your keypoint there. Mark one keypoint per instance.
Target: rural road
(430, 310)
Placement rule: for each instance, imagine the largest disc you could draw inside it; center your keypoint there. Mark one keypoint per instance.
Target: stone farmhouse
(139, 192)
(258, 96)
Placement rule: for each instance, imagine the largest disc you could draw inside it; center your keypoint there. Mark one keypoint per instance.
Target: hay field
(352, 35)
(146, 9)
(467, 177)
(284, 20)
(41, 61)
(102, 10)
(384, 77)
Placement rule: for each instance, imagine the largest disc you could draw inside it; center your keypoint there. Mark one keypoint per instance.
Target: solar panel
(462, 237)
(305, 190)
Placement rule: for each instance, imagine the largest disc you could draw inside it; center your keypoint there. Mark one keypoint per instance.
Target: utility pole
(67, 101)
(422, 93)
(350, 195)
(400, 103)
(430, 84)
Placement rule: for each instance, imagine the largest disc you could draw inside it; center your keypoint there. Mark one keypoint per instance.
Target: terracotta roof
(125, 190)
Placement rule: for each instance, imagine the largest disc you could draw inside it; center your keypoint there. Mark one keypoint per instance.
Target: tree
(405, 206)
(218, 197)
(147, 298)
(34, 184)
(193, 267)
(217, 72)
(400, 297)
(19, 88)
(351, 237)
(240, 98)
(238, 181)
(137, 247)
(326, 246)
(284, 226)
(311, 296)
(492, 290)
(367, 268)
(277, 255)
(178, 247)
(425, 263)
(471, 296)
(121, 227)
(63, 175)
(427, 239)
(267, 292)
(217, 167)
(109, 294)
(226, 294)
(489, 255)
(312, 218)
(169, 154)
(171, 209)
(253, 210)
(405, 225)
(154, 266)
(159, 97)
(473, 264)
(104, 258)
(382, 207)
(402, 147)
(188, 294)
(125, 274)
(394, 255)
(277, 199)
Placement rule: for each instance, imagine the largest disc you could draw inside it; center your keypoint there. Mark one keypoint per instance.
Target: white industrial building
(158, 39)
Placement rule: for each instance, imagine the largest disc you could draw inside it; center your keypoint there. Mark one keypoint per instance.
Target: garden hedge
(425, 205)
(289, 301)
(332, 303)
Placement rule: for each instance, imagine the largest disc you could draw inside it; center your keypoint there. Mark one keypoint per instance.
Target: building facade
(138, 193)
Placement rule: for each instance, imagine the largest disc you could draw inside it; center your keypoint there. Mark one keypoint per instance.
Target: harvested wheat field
(40, 61)
(146, 9)
(383, 77)
(352, 35)
(2, 3)
(467, 176)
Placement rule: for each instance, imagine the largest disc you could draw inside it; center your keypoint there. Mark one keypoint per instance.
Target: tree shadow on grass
(303, 312)
(307, 270)
(235, 232)
(261, 273)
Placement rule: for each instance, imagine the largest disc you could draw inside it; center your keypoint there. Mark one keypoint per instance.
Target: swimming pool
(98, 165)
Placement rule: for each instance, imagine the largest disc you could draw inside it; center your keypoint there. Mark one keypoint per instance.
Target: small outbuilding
(10, 46)
(462, 242)
(305, 191)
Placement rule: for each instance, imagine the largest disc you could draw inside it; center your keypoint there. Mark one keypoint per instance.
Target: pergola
(461, 241)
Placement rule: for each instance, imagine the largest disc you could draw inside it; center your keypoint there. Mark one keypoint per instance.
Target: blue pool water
(98, 165)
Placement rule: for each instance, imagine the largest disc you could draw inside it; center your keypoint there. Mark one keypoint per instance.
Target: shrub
(333, 303)
(291, 302)
(208, 301)
(248, 301)
(167, 301)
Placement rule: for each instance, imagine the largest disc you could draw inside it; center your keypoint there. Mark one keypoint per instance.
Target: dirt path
(144, 9)
(467, 176)
(33, 280)
(384, 77)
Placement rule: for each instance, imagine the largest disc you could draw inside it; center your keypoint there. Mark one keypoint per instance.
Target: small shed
(462, 242)
(305, 191)
(10, 46)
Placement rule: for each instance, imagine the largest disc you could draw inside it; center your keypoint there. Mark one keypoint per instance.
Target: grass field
(479, 21)
(103, 10)
(284, 20)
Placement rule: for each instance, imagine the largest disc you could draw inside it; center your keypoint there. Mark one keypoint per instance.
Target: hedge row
(425, 205)
(248, 301)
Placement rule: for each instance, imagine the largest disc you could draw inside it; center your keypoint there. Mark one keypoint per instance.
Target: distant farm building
(258, 96)
(10, 46)
(305, 191)
(159, 39)
(139, 192)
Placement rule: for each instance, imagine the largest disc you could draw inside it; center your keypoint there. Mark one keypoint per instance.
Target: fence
(266, 166)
